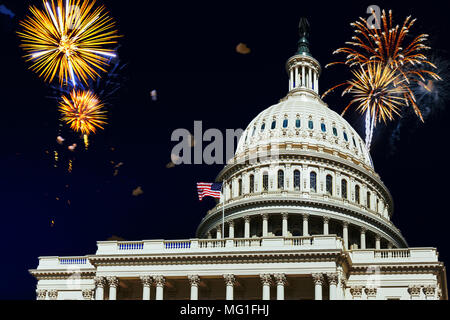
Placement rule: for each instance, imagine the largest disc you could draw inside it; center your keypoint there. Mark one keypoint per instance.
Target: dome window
(323, 127)
(253, 133)
(274, 124)
(313, 181)
(311, 124)
(265, 181)
(263, 126)
(357, 194)
(285, 123)
(344, 188)
(240, 187)
(252, 183)
(297, 123)
(280, 179)
(368, 199)
(296, 180)
(345, 136)
(329, 185)
(354, 142)
(335, 131)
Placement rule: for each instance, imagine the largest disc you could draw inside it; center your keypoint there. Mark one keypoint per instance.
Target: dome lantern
(302, 68)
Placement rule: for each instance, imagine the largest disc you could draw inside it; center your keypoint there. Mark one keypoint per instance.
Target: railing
(181, 244)
(130, 245)
(72, 260)
(212, 243)
(257, 242)
(299, 241)
(394, 253)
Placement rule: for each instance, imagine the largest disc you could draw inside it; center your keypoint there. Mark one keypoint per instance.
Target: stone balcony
(409, 255)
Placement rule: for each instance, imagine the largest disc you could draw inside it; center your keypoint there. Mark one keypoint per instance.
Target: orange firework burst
(67, 39)
(388, 46)
(82, 111)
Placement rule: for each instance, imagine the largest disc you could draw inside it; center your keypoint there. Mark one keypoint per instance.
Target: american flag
(210, 189)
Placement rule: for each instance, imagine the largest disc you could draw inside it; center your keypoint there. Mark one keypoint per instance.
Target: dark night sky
(187, 52)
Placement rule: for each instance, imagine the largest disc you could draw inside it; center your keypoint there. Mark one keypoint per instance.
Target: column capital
(414, 290)
(429, 290)
(247, 218)
(159, 280)
(99, 281)
(318, 278)
(333, 278)
(146, 280)
(305, 216)
(230, 223)
(280, 278)
(194, 280)
(377, 237)
(371, 291)
(284, 215)
(266, 279)
(265, 216)
(229, 279)
(345, 224)
(363, 230)
(356, 291)
(41, 294)
(113, 281)
(219, 228)
(326, 219)
(88, 294)
(53, 294)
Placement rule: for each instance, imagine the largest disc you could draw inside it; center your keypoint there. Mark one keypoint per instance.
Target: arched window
(285, 123)
(378, 205)
(274, 124)
(240, 187)
(297, 123)
(252, 183)
(297, 180)
(344, 188)
(323, 127)
(368, 199)
(253, 133)
(265, 181)
(263, 126)
(345, 136)
(354, 142)
(329, 184)
(280, 179)
(313, 181)
(335, 131)
(311, 124)
(357, 194)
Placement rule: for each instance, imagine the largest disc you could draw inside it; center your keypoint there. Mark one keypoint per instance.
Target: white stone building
(306, 217)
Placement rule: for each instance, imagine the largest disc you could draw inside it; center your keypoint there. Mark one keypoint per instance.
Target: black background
(186, 51)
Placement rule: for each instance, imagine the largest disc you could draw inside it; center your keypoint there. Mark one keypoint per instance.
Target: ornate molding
(429, 290)
(88, 294)
(146, 280)
(266, 279)
(53, 294)
(280, 278)
(333, 278)
(414, 290)
(356, 291)
(318, 278)
(41, 294)
(99, 281)
(159, 280)
(113, 281)
(371, 291)
(194, 280)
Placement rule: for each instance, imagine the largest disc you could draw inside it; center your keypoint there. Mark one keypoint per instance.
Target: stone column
(231, 229)
(291, 78)
(209, 235)
(146, 285)
(326, 220)
(309, 78)
(88, 294)
(303, 77)
(316, 83)
(265, 281)
(296, 77)
(265, 219)
(390, 245)
(377, 242)
(284, 228)
(113, 283)
(363, 238)
(99, 284)
(343, 283)
(318, 281)
(194, 280)
(280, 279)
(53, 294)
(333, 281)
(229, 283)
(305, 225)
(430, 292)
(247, 227)
(219, 232)
(371, 293)
(159, 281)
(41, 294)
(356, 292)
(345, 234)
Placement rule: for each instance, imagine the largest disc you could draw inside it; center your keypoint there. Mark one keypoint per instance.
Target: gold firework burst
(82, 111)
(388, 46)
(68, 40)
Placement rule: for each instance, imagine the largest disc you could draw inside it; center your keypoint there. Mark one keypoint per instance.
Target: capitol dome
(300, 169)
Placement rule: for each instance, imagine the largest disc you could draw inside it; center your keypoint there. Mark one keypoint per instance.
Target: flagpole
(223, 210)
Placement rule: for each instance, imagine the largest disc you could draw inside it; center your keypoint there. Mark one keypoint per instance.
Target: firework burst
(68, 40)
(387, 47)
(83, 112)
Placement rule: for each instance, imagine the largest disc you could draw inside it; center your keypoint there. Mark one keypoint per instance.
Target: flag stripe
(209, 189)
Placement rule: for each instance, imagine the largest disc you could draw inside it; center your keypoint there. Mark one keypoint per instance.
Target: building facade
(304, 216)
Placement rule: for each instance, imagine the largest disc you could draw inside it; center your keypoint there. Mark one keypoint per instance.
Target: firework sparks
(386, 47)
(67, 39)
(83, 112)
